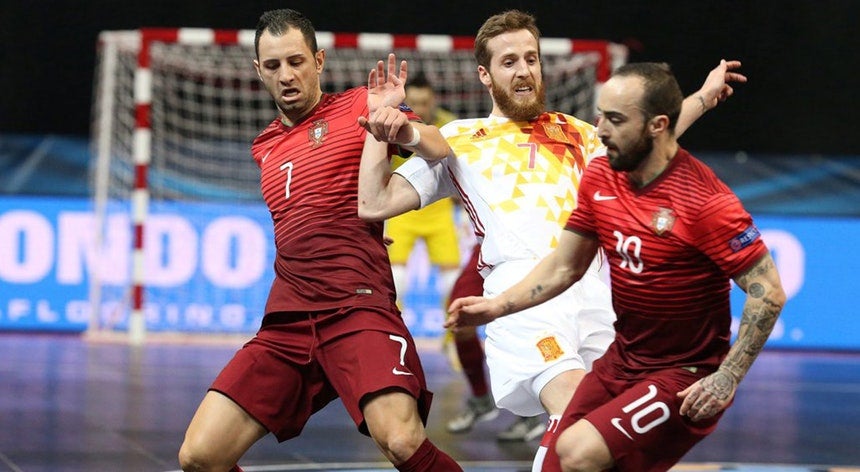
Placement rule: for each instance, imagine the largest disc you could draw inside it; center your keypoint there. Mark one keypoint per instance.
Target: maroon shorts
(299, 362)
(640, 421)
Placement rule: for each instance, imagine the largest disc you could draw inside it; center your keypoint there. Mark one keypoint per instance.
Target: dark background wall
(801, 56)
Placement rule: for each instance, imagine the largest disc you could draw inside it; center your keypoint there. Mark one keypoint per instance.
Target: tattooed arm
(764, 302)
(552, 275)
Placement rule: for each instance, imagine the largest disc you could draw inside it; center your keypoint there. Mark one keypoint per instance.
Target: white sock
(551, 431)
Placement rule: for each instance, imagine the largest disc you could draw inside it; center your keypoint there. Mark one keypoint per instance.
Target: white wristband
(416, 138)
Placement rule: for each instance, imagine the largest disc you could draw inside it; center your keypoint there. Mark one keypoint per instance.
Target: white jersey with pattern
(518, 181)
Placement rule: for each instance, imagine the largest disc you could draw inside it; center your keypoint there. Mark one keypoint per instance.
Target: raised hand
(717, 86)
(385, 92)
(386, 89)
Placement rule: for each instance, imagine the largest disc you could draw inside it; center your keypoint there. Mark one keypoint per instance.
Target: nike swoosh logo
(399, 372)
(602, 198)
(267, 155)
(617, 423)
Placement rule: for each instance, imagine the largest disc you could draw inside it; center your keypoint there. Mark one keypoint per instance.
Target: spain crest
(317, 132)
(549, 348)
(555, 132)
(662, 220)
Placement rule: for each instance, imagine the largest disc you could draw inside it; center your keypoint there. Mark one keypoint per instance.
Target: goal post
(174, 113)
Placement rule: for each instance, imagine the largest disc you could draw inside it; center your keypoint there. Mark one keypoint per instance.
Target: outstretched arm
(388, 123)
(382, 194)
(764, 302)
(554, 274)
(717, 88)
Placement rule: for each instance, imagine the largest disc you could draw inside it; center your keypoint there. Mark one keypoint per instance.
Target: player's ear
(257, 68)
(484, 76)
(319, 57)
(658, 124)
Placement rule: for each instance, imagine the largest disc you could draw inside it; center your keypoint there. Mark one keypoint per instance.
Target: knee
(576, 463)
(188, 460)
(573, 456)
(395, 425)
(193, 459)
(399, 444)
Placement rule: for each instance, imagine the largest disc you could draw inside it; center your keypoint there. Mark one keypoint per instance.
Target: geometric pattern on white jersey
(519, 179)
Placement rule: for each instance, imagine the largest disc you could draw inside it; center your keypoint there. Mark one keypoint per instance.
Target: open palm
(386, 89)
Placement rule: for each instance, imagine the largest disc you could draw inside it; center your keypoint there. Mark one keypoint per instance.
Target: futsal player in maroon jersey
(331, 326)
(674, 236)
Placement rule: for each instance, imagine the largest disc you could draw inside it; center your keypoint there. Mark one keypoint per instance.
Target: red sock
(471, 354)
(551, 462)
(428, 458)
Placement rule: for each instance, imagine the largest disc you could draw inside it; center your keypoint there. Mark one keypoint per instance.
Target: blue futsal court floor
(71, 405)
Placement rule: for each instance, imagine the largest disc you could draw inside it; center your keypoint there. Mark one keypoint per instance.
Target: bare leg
(219, 434)
(557, 393)
(395, 425)
(582, 448)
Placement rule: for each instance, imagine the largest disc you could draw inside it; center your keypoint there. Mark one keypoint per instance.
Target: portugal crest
(317, 132)
(662, 221)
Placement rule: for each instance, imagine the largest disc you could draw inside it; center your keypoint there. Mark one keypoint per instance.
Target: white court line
(520, 465)
(9, 462)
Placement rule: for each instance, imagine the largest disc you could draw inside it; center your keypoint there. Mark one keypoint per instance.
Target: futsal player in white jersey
(517, 174)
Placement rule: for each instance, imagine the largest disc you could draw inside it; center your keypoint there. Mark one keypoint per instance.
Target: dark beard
(631, 159)
(515, 110)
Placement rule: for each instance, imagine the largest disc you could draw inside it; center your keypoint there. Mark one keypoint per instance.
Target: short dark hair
(277, 22)
(507, 21)
(662, 95)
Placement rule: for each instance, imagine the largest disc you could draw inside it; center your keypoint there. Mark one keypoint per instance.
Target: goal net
(182, 241)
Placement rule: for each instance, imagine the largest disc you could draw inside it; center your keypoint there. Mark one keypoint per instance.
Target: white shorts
(527, 349)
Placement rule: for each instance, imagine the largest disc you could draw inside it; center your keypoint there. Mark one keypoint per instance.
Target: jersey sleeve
(430, 180)
(728, 236)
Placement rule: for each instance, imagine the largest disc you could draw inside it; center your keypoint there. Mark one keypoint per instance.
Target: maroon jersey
(326, 255)
(672, 247)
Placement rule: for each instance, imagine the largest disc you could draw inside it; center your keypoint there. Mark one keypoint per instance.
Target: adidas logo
(479, 134)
